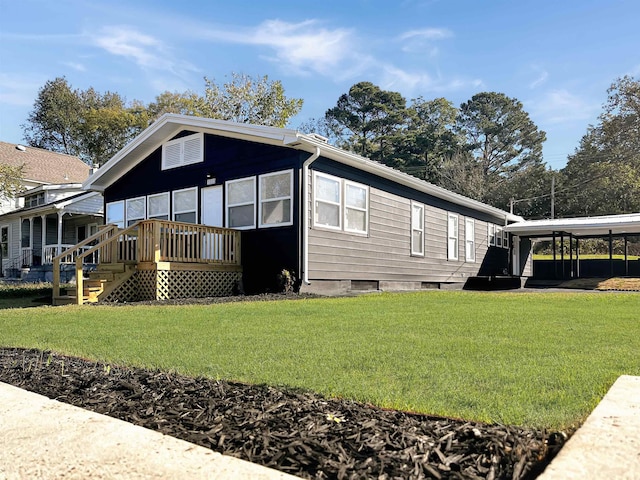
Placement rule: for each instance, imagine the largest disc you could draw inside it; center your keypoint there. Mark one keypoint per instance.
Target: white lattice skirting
(172, 284)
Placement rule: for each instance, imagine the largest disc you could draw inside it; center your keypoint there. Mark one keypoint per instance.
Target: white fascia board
(166, 128)
(582, 226)
(362, 163)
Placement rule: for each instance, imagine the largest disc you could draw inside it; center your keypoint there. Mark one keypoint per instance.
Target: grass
(531, 359)
(23, 295)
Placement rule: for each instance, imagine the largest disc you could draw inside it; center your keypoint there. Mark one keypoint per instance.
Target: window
(470, 240)
(340, 204)
(505, 239)
(491, 233)
(417, 229)
(183, 151)
(115, 213)
(328, 199)
(276, 206)
(158, 206)
(498, 236)
(34, 200)
(185, 205)
(355, 207)
(452, 233)
(135, 210)
(4, 242)
(241, 203)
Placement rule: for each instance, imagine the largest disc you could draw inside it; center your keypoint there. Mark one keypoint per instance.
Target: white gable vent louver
(183, 151)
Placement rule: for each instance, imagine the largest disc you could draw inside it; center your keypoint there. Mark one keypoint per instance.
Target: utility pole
(553, 196)
(511, 202)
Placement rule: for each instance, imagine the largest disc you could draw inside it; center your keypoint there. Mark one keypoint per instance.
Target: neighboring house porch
(31, 237)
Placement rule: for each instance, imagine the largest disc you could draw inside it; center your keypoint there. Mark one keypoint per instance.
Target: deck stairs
(100, 283)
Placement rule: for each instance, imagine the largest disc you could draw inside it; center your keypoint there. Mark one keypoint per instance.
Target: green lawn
(534, 359)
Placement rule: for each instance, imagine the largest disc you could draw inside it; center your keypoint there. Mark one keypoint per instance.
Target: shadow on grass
(20, 295)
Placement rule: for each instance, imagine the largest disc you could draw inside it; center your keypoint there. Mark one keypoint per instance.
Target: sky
(557, 57)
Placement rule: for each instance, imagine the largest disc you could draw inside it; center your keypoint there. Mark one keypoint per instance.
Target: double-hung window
(135, 210)
(417, 229)
(491, 234)
(115, 213)
(185, 205)
(158, 206)
(470, 240)
(340, 204)
(356, 206)
(498, 236)
(452, 236)
(276, 205)
(4, 241)
(327, 201)
(183, 151)
(241, 203)
(505, 239)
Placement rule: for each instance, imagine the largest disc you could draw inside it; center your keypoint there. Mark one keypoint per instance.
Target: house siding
(384, 255)
(265, 252)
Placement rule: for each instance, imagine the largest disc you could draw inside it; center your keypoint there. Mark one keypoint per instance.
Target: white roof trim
(580, 226)
(171, 124)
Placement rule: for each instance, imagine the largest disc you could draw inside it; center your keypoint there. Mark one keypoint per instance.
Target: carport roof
(580, 227)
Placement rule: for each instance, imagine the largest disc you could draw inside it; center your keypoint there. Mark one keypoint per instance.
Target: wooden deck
(152, 260)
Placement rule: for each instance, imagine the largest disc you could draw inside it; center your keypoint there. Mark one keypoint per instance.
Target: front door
(211, 206)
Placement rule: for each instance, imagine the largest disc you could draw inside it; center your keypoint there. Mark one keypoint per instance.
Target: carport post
(555, 266)
(562, 254)
(611, 253)
(577, 258)
(626, 257)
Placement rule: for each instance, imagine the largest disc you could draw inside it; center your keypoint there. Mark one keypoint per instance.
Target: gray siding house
(336, 220)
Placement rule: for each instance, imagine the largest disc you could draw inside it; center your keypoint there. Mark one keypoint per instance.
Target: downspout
(305, 214)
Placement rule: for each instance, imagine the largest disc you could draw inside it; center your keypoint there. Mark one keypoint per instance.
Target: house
(50, 215)
(335, 220)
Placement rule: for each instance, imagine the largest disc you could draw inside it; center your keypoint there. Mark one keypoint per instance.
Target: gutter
(305, 214)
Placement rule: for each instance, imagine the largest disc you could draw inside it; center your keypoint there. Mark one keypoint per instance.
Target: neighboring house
(52, 213)
(337, 220)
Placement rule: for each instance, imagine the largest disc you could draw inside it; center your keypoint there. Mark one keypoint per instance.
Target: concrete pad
(608, 444)
(45, 439)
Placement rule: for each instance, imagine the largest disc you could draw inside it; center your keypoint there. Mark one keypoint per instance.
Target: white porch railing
(26, 257)
(51, 251)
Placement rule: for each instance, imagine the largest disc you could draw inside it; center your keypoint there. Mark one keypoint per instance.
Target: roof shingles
(45, 166)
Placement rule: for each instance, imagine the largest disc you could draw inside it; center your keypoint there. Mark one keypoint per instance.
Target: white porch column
(60, 214)
(43, 236)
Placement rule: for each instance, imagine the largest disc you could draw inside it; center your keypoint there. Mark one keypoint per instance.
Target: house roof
(54, 206)
(170, 125)
(43, 166)
(580, 226)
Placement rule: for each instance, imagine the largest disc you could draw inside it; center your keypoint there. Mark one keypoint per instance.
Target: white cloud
(562, 106)
(16, 90)
(423, 41)
(146, 51)
(76, 66)
(302, 47)
(541, 79)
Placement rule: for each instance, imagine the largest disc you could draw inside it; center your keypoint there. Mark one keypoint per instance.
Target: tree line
(488, 148)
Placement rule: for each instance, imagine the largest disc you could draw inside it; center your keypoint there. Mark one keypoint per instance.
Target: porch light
(211, 179)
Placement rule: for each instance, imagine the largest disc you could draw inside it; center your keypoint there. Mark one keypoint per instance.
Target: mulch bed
(300, 433)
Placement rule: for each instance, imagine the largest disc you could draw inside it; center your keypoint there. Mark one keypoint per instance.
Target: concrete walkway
(607, 445)
(45, 439)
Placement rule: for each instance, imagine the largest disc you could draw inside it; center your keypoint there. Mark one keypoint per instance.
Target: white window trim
(498, 236)
(491, 234)
(469, 253)
(173, 201)
(505, 239)
(126, 210)
(166, 212)
(360, 209)
(228, 205)
(289, 197)
(414, 252)
(338, 203)
(8, 227)
(452, 254)
(181, 141)
(106, 213)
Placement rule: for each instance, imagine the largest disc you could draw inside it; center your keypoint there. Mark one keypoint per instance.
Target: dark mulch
(296, 432)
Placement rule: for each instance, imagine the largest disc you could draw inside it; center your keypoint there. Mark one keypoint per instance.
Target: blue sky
(557, 57)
